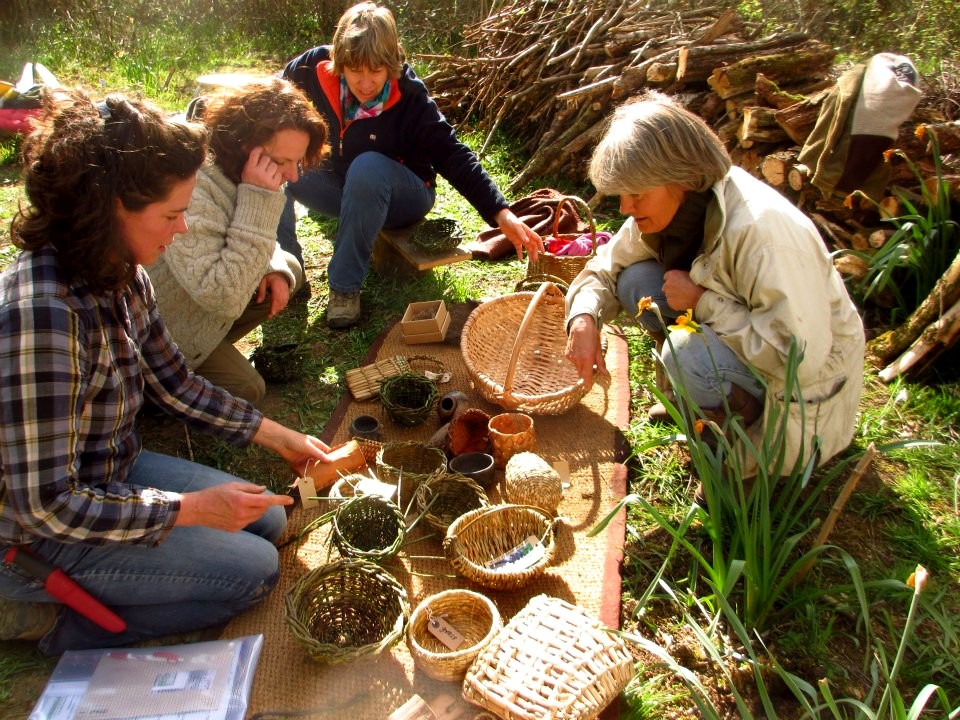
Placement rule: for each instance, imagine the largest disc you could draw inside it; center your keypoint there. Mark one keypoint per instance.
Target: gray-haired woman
(707, 237)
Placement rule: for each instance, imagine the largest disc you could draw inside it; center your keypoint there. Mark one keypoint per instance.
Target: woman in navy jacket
(389, 142)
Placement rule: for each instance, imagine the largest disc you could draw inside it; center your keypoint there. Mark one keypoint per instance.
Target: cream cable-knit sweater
(207, 277)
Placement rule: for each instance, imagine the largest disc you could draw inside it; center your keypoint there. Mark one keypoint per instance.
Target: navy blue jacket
(411, 130)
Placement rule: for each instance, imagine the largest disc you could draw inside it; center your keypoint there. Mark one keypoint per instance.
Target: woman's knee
(366, 175)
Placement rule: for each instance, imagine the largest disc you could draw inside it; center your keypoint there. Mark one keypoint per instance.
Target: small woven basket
(445, 497)
(565, 267)
(279, 363)
(347, 610)
(472, 615)
(408, 398)
(530, 480)
(370, 449)
(407, 464)
(437, 235)
(469, 432)
(368, 527)
(489, 534)
(552, 660)
(511, 433)
(532, 374)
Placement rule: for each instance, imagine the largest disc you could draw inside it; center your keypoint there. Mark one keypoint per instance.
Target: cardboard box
(425, 322)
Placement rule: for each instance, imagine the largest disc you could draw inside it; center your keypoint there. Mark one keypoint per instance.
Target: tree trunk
(739, 77)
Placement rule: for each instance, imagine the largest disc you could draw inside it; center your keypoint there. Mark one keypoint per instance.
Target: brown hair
(240, 119)
(366, 37)
(80, 160)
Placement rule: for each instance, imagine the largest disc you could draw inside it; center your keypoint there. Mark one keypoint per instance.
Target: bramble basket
(408, 398)
(565, 267)
(445, 497)
(407, 464)
(532, 375)
(530, 480)
(347, 610)
(437, 235)
(488, 534)
(552, 660)
(280, 363)
(472, 615)
(368, 527)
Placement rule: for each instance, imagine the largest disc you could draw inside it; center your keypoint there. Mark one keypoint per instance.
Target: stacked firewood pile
(552, 70)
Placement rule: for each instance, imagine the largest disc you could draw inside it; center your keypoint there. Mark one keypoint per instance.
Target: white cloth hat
(888, 95)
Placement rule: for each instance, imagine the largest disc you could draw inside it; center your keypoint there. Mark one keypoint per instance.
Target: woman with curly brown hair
(227, 274)
(169, 545)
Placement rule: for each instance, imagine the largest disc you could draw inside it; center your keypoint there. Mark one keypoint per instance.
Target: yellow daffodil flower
(918, 579)
(685, 323)
(643, 304)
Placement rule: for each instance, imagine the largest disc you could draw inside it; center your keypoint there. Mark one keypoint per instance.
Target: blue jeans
(196, 577)
(376, 193)
(701, 361)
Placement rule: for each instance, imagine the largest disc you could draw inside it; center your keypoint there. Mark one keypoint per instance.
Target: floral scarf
(354, 110)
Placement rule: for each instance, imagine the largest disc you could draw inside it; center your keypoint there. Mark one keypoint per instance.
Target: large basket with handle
(565, 267)
(531, 375)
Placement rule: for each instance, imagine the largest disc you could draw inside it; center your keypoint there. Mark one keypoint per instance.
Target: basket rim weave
(402, 414)
(453, 547)
(387, 508)
(464, 485)
(437, 234)
(332, 653)
(450, 664)
(500, 391)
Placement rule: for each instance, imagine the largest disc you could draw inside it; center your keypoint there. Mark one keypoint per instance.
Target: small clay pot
(477, 466)
(449, 404)
(365, 426)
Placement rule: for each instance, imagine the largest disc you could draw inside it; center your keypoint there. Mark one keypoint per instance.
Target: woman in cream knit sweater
(227, 273)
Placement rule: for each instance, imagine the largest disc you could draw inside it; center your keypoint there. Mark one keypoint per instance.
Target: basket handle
(574, 201)
(547, 287)
(539, 279)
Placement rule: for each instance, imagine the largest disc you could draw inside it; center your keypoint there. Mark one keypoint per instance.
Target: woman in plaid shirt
(168, 544)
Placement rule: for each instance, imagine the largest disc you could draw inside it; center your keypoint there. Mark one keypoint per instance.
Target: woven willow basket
(531, 375)
(445, 497)
(511, 433)
(347, 610)
(471, 614)
(530, 480)
(407, 464)
(368, 527)
(437, 235)
(552, 660)
(565, 267)
(486, 534)
(408, 398)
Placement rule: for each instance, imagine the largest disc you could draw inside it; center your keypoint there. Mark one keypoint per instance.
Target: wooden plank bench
(394, 253)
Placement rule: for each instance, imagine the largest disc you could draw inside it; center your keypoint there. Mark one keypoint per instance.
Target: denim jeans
(376, 193)
(700, 360)
(196, 577)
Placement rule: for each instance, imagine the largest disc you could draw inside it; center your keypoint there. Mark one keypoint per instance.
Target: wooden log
(797, 120)
(775, 167)
(947, 135)
(839, 235)
(740, 76)
(933, 341)
(661, 74)
(798, 177)
(769, 93)
(695, 63)
(759, 126)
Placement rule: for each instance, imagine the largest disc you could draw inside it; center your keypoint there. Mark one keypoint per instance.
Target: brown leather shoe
(25, 620)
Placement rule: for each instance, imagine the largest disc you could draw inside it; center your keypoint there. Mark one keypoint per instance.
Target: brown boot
(25, 620)
(740, 404)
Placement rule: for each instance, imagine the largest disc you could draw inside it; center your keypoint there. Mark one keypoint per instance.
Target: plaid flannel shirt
(75, 367)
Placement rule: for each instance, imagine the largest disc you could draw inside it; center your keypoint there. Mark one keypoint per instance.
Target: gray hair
(651, 142)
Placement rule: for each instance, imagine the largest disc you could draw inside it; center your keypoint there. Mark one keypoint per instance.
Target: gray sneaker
(343, 309)
(25, 620)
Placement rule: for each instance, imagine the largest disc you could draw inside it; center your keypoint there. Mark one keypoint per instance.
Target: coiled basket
(531, 373)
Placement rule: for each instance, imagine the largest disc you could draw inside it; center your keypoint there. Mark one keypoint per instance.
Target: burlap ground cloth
(585, 571)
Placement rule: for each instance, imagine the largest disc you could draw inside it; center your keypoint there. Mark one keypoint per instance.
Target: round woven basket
(531, 374)
(436, 235)
(407, 464)
(368, 527)
(280, 363)
(345, 487)
(511, 433)
(346, 610)
(408, 398)
(530, 480)
(485, 535)
(471, 614)
(445, 497)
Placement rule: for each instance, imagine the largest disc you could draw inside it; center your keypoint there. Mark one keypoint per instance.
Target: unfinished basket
(408, 398)
(511, 433)
(531, 374)
(445, 497)
(364, 382)
(407, 464)
(491, 546)
(552, 660)
(368, 527)
(471, 615)
(530, 480)
(437, 235)
(347, 610)
(565, 267)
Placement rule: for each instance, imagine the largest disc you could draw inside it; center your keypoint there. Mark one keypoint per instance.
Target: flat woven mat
(585, 571)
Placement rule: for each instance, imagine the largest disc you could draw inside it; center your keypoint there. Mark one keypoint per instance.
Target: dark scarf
(682, 240)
